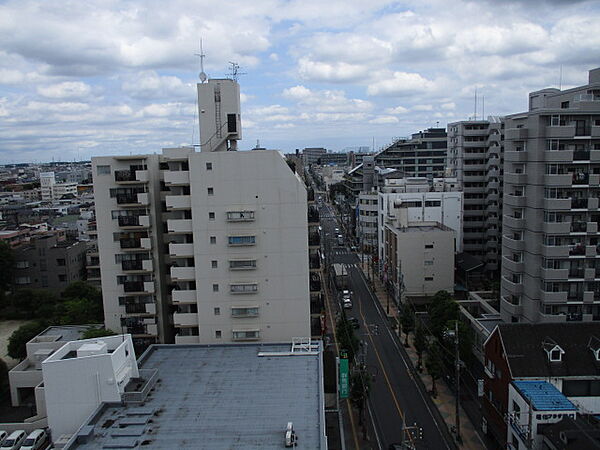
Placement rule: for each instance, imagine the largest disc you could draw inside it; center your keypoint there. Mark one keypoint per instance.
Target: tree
(360, 385)
(346, 337)
(97, 332)
(420, 343)
(407, 320)
(443, 309)
(7, 266)
(292, 165)
(81, 303)
(22, 335)
(433, 363)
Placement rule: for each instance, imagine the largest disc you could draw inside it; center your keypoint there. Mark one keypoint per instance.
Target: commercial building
(205, 247)
(214, 397)
(52, 191)
(475, 158)
(311, 155)
(550, 247)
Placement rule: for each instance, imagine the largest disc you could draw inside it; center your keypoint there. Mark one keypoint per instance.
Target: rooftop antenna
(234, 71)
(201, 55)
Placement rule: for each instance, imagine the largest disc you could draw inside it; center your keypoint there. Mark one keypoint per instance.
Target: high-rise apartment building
(475, 158)
(204, 247)
(550, 247)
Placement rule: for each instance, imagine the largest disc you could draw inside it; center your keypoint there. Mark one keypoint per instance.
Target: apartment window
(516, 278)
(251, 311)
(518, 213)
(564, 105)
(519, 191)
(429, 263)
(211, 215)
(214, 264)
(208, 166)
(428, 245)
(242, 264)
(215, 288)
(213, 239)
(556, 355)
(434, 203)
(22, 264)
(217, 334)
(60, 262)
(428, 278)
(22, 280)
(555, 121)
(240, 216)
(241, 335)
(62, 278)
(44, 281)
(243, 288)
(102, 170)
(242, 240)
(210, 191)
(217, 311)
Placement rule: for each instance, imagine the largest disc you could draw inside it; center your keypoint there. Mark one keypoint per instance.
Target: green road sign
(344, 382)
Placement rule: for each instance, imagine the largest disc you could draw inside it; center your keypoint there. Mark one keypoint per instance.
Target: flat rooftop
(67, 332)
(216, 397)
(544, 396)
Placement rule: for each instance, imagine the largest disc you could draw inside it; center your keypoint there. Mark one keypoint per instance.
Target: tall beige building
(204, 247)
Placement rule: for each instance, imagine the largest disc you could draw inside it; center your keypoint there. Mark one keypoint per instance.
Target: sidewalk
(445, 400)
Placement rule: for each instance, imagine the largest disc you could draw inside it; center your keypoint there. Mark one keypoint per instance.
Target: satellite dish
(202, 76)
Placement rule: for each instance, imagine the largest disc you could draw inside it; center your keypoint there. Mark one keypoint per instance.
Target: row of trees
(431, 338)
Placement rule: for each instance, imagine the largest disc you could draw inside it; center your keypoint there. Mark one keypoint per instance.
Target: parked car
(354, 322)
(14, 441)
(347, 303)
(3, 435)
(36, 440)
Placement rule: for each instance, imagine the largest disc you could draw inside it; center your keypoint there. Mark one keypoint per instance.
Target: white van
(14, 441)
(37, 439)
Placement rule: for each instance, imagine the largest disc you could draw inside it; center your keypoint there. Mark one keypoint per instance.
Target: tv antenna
(201, 55)
(234, 71)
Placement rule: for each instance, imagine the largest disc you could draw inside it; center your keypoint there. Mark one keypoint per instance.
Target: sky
(82, 78)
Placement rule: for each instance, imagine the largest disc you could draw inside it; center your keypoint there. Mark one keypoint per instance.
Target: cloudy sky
(81, 78)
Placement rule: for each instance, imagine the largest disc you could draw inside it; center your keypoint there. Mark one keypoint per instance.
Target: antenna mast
(234, 71)
(202, 74)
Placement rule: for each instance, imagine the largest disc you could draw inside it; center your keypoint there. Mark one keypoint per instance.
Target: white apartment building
(51, 190)
(204, 247)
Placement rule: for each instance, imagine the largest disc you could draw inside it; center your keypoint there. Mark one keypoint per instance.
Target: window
(211, 215)
(428, 278)
(242, 264)
(428, 245)
(243, 288)
(242, 240)
(62, 277)
(22, 264)
(215, 288)
(208, 166)
(217, 334)
(217, 311)
(555, 355)
(251, 311)
(240, 216)
(245, 335)
(60, 262)
(429, 263)
(210, 191)
(22, 280)
(214, 264)
(102, 170)
(213, 239)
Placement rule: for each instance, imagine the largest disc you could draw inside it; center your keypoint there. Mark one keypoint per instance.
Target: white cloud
(384, 120)
(331, 72)
(448, 106)
(400, 84)
(397, 110)
(150, 85)
(68, 89)
(422, 108)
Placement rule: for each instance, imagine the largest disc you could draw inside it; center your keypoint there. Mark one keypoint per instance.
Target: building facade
(204, 247)
(550, 247)
(475, 158)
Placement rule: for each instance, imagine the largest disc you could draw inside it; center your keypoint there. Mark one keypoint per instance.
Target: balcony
(515, 178)
(185, 319)
(136, 244)
(135, 308)
(134, 221)
(577, 250)
(515, 200)
(514, 266)
(554, 274)
(314, 239)
(316, 304)
(515, 156)
(179, 225)
(581, 155)
(183, 273)
(555, 251)
(557, 204)
(513, 244)
(554, 297)
(179, 339)
(579, 203)
(510, 307)
(515, 288)
(178, 202)
(313, 215)
(177, 178)
(556, 227)
(183, 296)
(563, 132)
(141, 287)
(315, 282)
(513, 222)
(581, 178)
(578, 227)
(314, 262)
(565, 179)
(131, 176)
(515, 134)
(181, 250)
(137, 265)
(576, 272)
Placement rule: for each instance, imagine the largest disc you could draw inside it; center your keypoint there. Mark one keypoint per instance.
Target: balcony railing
(123, 199)
(129, 221)
(132, 265)
(313, 215)
(131, 243)
(576, 272)
(314, 261)
(135, 308)
(133, 286)
(579, 203)
(581, 155)
(314, 239)
(578, 227)
(581, 178)
(579, 249)
(125, 175)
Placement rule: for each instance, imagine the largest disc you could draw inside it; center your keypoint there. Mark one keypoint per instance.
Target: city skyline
(100, 79)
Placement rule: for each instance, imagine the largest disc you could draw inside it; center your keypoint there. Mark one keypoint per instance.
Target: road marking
(337, 349)
(380, 312)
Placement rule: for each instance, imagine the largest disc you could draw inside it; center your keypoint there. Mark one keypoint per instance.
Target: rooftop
(544, 396)
(217, 397)
(65, 332)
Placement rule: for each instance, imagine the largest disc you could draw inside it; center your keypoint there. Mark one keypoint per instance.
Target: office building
(204, 247)
(475, 158)
(52, 191)
(550, 247)
(311, 155)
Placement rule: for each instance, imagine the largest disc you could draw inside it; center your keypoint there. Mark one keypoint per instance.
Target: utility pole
(456, 346)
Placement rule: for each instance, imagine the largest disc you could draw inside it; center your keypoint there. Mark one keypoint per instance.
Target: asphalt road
(395, 396)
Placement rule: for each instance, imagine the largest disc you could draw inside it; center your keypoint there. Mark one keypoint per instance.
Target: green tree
(346, 337)
(420, 343)
(407, 320)
(81, 303)
(97, 332)
(20, 337)
(360, 386)
(7, 266)
(434, 366)
(442, 309)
